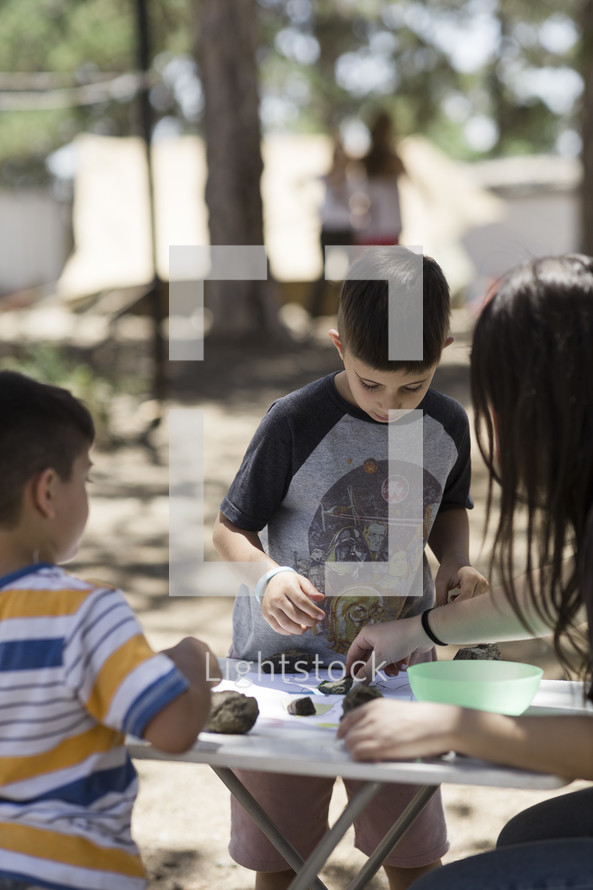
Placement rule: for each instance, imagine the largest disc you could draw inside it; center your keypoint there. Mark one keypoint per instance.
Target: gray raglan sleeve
(264, 475)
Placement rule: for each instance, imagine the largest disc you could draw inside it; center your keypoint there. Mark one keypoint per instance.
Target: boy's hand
(288, 604)
(458, 583)
(195, 660)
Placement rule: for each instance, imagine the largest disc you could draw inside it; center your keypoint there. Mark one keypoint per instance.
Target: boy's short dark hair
(363, 322)
(41, 426)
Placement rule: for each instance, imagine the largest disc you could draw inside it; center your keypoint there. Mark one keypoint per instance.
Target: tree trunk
(587, 129)
(226, 46)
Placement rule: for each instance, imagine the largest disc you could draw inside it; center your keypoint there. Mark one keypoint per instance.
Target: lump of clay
(359, 695)
(231, 713)
(301, 707)
(290, 661)
(483, 652)
(336, 687)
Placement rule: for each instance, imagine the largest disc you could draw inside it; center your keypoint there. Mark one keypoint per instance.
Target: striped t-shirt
(76, 675)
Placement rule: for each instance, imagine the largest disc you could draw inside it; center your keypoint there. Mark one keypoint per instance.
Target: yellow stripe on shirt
(120, 663)
(68, 753)
(40, 603)
(39, 843)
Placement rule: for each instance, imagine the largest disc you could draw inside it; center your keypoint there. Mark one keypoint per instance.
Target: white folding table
(289, 746)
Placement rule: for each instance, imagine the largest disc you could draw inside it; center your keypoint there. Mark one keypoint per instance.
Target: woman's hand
(394, 730)
(385, 647)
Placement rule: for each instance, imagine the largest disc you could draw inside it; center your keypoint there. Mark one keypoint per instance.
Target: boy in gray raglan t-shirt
(328, 480)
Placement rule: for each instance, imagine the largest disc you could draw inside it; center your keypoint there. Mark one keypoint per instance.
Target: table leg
(264, 823)
(393, 836)
(305, 877)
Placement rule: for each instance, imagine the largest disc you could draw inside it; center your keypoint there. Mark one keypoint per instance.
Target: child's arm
(176, 727)
(449, 541)
(287, 603)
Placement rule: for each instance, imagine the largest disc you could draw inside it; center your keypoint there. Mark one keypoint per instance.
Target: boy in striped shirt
(76, 673)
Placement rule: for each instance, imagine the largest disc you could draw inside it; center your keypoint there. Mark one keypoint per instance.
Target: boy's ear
(42, 492)
(336, 340)
(448, 341)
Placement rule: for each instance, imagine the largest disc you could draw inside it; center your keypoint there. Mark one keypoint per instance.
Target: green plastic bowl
(504, 687)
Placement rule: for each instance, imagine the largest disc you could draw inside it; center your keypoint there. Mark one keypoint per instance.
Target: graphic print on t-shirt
(315, 483)
(366, 541)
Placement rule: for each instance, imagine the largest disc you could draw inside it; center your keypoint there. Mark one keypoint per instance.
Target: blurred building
(35, 237)
(541, 199)
(475, 219)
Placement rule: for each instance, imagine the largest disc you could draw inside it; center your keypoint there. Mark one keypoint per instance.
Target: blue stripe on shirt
(57, 734)
(5, 580)
(25, 880)
(88, 790)
(152, 700)
(86, 657)
(109, 632)
(41, 701)
(93, 601)
(16, 655)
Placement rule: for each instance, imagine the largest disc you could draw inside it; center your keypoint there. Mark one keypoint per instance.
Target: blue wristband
(260, 587)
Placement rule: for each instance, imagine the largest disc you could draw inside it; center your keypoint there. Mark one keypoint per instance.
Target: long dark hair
(532, 391)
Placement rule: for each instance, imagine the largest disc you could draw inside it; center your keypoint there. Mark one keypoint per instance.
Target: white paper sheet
(274, 692)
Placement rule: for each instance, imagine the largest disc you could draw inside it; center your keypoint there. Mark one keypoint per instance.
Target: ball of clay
(359, 695)
(336, 687)
(231, 713)
(301, 707)
(483, 652)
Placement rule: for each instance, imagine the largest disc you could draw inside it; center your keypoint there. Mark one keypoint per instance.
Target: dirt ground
(181, 819)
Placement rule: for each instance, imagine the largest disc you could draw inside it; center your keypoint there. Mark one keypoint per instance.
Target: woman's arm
(491, 618)
(390, 730)
(484, 619)
(559, 745)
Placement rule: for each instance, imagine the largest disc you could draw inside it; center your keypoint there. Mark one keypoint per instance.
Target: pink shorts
(299, 806)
